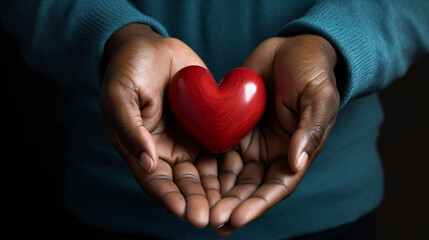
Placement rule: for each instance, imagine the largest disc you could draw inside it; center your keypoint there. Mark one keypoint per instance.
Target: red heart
(217, 116)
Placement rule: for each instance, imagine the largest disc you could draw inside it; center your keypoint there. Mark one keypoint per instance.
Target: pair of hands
(264, 168)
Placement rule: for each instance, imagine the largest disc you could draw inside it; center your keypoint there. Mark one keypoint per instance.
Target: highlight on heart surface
(218, 116)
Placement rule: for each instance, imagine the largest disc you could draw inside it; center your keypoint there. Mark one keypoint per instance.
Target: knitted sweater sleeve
(64, 40)
(376, 40)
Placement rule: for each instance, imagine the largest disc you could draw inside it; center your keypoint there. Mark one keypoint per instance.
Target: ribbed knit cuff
(98, 23)
(338, 24)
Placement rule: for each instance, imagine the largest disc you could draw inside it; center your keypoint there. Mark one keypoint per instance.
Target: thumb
(123, 118)
(139, 146)
(318, 110)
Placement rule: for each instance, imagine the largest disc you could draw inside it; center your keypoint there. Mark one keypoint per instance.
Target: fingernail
(302, 161)
(220, 226)
(146, 162)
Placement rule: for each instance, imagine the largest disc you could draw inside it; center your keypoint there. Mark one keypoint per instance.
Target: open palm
(271, 160)
(158, 151)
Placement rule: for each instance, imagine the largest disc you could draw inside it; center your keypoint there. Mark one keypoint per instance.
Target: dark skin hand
(269, 163)
(158, 151)
(173, 169)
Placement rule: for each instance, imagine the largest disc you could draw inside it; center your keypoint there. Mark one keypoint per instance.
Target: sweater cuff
(337, 24)
(97, 25)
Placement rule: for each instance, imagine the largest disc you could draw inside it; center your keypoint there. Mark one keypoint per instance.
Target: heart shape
(217, 116)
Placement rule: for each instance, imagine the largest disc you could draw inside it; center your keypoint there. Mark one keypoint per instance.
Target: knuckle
(316, 134)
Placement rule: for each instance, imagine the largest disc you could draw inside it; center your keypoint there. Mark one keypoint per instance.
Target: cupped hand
(160, 154)
(303, 103)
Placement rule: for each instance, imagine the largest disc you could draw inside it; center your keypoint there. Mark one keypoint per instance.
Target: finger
(224, 230)
(208, 171)
(188, 180)
(230, 167)
(287, 117)
(159, 185)
(248, 181)
(279, 183)
(123, 117)
(319, 106)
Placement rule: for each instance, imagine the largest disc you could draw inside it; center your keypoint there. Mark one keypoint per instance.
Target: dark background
(33, 153)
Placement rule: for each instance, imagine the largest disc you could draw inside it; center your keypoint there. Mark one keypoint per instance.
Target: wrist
(120, 37)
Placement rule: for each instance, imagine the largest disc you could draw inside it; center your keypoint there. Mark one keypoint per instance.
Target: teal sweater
(376, 42)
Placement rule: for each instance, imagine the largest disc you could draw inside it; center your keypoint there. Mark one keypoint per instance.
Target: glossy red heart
(217, 116)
